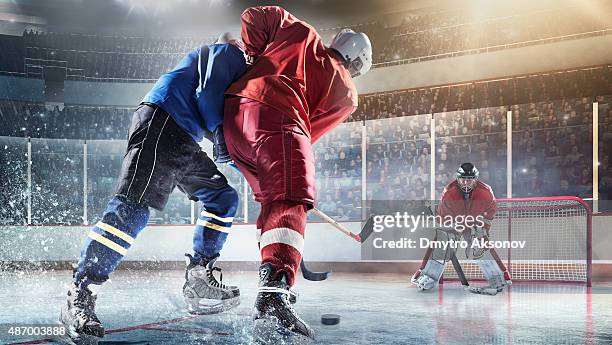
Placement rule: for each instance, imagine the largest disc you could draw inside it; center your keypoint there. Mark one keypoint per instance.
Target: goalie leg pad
(495, 276)
(428, 277)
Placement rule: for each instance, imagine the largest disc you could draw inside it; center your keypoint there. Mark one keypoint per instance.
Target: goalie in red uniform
(295, 91)
(466, 196)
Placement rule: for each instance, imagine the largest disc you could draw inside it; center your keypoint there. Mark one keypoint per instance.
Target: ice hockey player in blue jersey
(183, 107)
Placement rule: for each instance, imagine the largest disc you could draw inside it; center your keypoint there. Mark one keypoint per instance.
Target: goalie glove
(220, 153)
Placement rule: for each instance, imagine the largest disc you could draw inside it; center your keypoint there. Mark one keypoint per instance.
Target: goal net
(557, 236)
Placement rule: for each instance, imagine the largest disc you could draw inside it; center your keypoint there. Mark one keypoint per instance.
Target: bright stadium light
(163, 5)
(155, 6)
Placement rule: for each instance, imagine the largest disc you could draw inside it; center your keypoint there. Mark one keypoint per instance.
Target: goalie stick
(454, 261)
(459, 270)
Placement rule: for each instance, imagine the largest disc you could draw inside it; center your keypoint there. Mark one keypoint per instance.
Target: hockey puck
(330, 319)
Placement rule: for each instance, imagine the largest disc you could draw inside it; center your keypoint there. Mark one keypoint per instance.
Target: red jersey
(481, 202)
(293, 71)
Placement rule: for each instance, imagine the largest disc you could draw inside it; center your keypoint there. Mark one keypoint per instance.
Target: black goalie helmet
(467, 177)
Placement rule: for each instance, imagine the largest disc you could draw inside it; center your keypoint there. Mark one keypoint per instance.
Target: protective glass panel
(14, 182)
(101, 122)
(177, 210)
(104, 158)
(254, 207)
(604, 104)
(237, 181)
(398, 158)
(552, 148)
(57, 182)
(477, 136)
(337, 157)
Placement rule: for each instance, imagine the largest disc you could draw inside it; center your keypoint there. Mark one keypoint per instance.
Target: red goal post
(557, 232)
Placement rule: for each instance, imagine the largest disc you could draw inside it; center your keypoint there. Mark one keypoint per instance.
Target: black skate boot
(275, 320)
(203, 293)
(79, 317)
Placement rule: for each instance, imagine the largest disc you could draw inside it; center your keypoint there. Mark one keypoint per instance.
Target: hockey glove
(220, 153)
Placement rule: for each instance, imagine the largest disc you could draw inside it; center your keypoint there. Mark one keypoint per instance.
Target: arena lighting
(19, 18)
(165, 5)
(147, 5)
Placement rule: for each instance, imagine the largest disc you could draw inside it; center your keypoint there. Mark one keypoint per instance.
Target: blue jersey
(193, 92)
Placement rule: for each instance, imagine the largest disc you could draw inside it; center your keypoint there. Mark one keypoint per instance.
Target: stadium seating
(403, 37)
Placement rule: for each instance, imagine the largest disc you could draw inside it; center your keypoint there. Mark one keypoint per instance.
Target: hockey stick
(459, 270)
(454, 261)
(319, 276)
(361, 237)
(311, 275)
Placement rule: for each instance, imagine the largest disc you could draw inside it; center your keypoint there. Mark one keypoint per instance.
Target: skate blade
(206, 306)
(266, 331)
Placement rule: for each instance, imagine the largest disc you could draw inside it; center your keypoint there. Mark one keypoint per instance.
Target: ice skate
(79, 317)
(275, 320)
(203, 293)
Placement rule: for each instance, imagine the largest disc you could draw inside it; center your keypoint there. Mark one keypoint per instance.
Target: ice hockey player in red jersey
(295, 91)
(466, 196)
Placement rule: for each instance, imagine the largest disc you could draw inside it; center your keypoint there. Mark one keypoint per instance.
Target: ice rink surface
(146, 307)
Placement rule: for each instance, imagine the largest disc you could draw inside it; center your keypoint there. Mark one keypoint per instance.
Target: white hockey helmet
(225, 37)
(356, 49)
(228, 37)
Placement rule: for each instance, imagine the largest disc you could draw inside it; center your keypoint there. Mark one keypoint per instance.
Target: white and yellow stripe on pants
(109, 243)
(213, 226)
(202, 221)
(219, 218)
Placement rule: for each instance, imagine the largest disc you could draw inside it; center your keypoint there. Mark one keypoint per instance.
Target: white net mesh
(555, 232)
